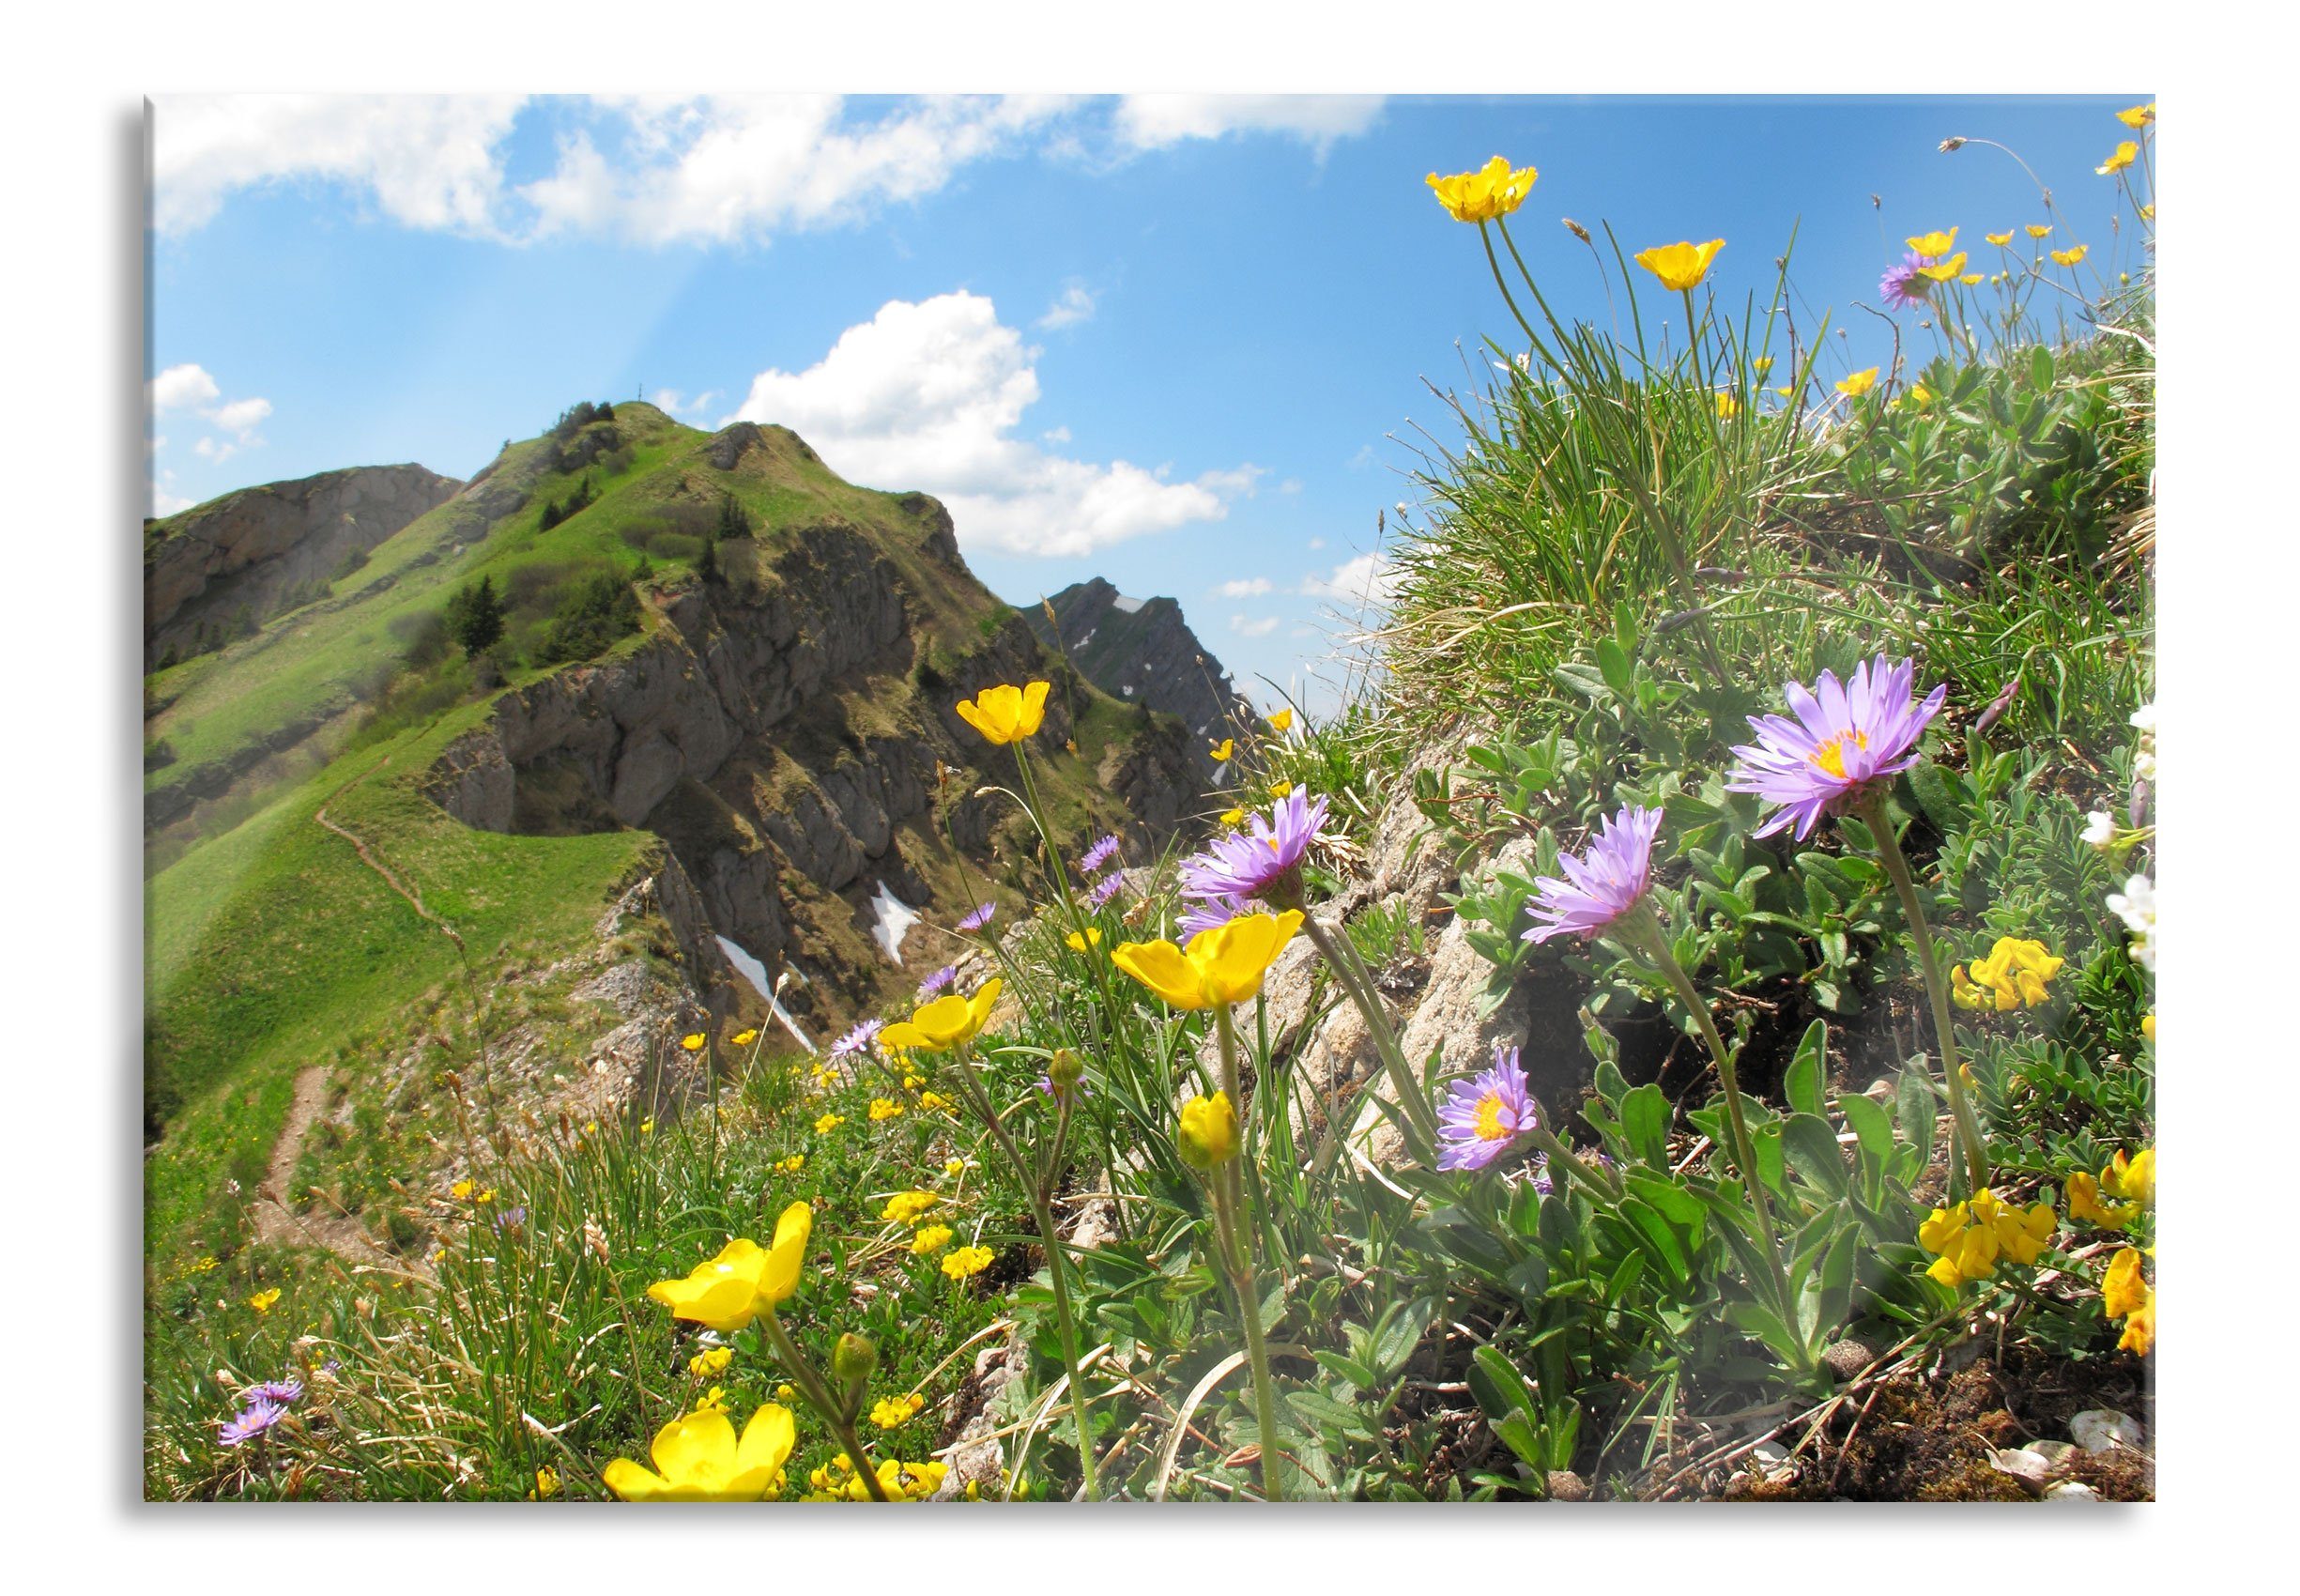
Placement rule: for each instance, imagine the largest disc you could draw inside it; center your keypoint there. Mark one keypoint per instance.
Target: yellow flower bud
(1209, 1131)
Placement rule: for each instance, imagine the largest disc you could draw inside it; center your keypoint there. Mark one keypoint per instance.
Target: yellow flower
(1093, 938)
(2124, 155)
(2070, 257)
(1969, 1238)
(933, 1100)
(2012, 976)
(1280, 788)
(904, 1207)
(463, 1190)
(2085, 1205)
(2133, 1179)
(699, 1460)
(1762, 365)
(2000, 240)
(1494, 189)
(1234, 816)
(1680, 266)
(1918, 396)
(2124, 1295)
(827, 1123)
(1283, 720)
(1934, 243)
(715, 1401)
(883, 1107)
(487, 1196)
(2148, 213)
(705, 1364)
(728, 1292)
(263, 1300)
(966, 1261)
(2148, 1026)
(893, 1413)
(743, 1038)
(1727, 406)
(784, 1393)
(693, 1042)
(1005, 713)
(2021, 1233)
(647, 1128)
(1973, 280)
(931, 1239)
(1224, 965)
(2037, 230)
(1946, 269)
(1858, 383)
(790, 1165)
(2138, 115)
(1070, 747)
(1223, 749)
(944, 1023)
(954, 1167)
(1209, 1131)
(546, 1486)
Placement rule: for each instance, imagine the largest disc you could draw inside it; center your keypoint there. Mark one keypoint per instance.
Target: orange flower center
(1490, 1126)
(1830, 756)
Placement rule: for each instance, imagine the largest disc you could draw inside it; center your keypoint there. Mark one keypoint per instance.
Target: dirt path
(275, 1217)
(367, 857)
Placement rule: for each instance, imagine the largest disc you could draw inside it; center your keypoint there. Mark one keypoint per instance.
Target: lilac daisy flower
(1098, 855)
(1904, 288)
(1104, 890)
(280, 1393)
(979, 918)
(1485, 1114)
(511, 1219)
(254, 1420)
(937, 981)
(858, 1040)
(1846, 736)
(1604, 884)
(1264, 861)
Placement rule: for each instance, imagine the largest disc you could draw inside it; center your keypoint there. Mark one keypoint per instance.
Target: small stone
(1566, 1486)
(1846, 1358)
(2071, 1491)
(2104, 1429)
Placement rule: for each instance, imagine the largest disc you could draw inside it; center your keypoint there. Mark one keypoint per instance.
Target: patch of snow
(1128, 690)
(1125, 606)
(756, 973)
(1087, 639)
(894, 918)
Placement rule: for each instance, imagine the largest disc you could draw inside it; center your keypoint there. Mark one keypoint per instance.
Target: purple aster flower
(1485, 1114)
(1904, 288)
(979, 918)
(259, 1416)
(937, 981)
(1845, 737)
(280, 1393)
(511, 1219)
(1209, 912)
(858, 1040)
(1264, 861)
(1098, 855)
(1046, 1086)
(1104, 890)
(1604, 884)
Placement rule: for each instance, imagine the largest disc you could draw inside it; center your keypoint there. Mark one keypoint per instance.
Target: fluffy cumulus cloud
(1369, 582)
(1153, 121)
(721, 169)
(425, 160)
(1248, 587)
(930, 395)
(672, 402)
(183, 388)
(189, 388)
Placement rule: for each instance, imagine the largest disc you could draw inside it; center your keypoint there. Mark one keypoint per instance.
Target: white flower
(2144, 719)
(2144, 755)
(2136, 907)
(2099, 830)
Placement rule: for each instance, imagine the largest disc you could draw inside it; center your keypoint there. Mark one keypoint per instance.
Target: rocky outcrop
(1141, 651)
(236, 561)
(772, 736)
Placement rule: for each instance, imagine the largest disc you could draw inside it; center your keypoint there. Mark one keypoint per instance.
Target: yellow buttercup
(698, 1459)
(943, 1023)
(1221, 966)
(728, 1292)
(1005, 713)
(1492, 191)
(1681, 265)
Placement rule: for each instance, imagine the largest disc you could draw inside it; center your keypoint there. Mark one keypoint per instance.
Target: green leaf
(1873, 1129)
(1615, 665)
(1802, 1080)
(1811, 1148)
(1661, 1243)
(1916, 1105)
(1399, 1331)
(1645, 1124)
(2040, 369)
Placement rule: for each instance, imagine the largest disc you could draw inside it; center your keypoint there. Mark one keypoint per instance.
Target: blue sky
(1166, 340)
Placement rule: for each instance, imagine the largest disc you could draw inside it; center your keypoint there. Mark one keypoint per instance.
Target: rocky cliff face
(238, 558)
(784, 735)
(1143, 651)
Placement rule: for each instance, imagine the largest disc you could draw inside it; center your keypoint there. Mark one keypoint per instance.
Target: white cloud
(1055, 435)
(180, 387)
(1257, 628)
(213, 451)
(1318, 543)
(1292, 485)
(425, 160)
(1076, 305)
(241, 416)
(729, 168)
(671, 401)
(166, 503)
(1251, 587)
(1153, 121)
(930, 395)
(1371, 580)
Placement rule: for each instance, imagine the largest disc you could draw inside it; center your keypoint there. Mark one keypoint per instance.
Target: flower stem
(818, 1398)
(1421, 1120)
(1239, 1267)
(1644, 931)
(1872, 812)
(1041, 1207)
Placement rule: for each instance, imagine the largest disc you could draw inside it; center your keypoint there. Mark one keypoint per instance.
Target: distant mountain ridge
(1141, 651)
